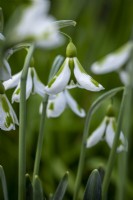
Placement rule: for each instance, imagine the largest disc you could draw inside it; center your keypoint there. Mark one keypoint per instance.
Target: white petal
(74, 105)
(113, 61)
(56, 106)
(38, 87)
(124, 143)
(16, 94)
(109, 136)
(5, 71)
(124, 77)
(2, 37)
(8, 118)
(97, 135)
(60, 80)
(110, 132)
(13, 82)
(84, 80)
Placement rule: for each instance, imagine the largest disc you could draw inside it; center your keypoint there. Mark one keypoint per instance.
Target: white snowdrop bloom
(113, 61)
(8, 118)
(33, 85)
(71, 74)
(35, 24)
(56, 105)
(106, 131)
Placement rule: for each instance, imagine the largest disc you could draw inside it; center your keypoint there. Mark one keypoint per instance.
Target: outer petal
(8, 117)
(109, 136)
(124, 77)
(38, 87)
(97, 135)
(110, 131)
(60, 80)
(74, 105)
(5, 71)
(113, 61)
(56, 106)
(16, 94)
(13, 82)
(84, 80)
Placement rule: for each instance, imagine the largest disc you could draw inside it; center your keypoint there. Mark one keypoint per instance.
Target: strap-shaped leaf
(29, 188)
(61, 189)
(1, 20)
(93, 187)
(3, 180)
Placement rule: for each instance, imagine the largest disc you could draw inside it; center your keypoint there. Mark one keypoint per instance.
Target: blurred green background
(102, 26)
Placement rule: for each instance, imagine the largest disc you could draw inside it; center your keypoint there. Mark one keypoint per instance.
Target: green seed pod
(110, 111)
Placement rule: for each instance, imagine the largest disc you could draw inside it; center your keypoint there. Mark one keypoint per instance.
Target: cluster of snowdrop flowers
(35, 24)
(71, 74)
(114, 62)
(106, 131)
(8, 118)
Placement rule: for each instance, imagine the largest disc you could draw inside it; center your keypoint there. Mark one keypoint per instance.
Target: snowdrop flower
(33, 85)
(71, 74)
(8, 118)
(35, 24)
(106, 131)
(57, 104)
(113, 61)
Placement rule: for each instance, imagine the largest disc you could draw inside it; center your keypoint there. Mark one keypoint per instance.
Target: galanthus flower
(8, 118)
(106, 131)
(33, 85)
(37, 25)
(113, 61)
(71, 74)
(57, 104)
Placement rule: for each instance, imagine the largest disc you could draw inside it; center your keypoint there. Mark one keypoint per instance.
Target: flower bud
(71, 50)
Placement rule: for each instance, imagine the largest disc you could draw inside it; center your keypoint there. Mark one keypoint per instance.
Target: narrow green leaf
(64, 23)
(93, 187)
(3, 180)
(61, 189)
(1, 20)
(29, 188)
(37, 189)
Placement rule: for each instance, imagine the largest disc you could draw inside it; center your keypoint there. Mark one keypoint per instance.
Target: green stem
(4, 185)
(40, 138)
(112, 156)
(22, 127)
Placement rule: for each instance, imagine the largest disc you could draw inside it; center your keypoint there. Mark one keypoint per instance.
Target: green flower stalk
(22, 130)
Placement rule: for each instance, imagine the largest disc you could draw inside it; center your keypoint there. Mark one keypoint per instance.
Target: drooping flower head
(8, 118)
(35, 24)
(57, 104)
(71, 74)
(33, 84)
(106, 131)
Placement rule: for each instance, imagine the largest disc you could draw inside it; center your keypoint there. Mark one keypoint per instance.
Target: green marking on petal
(56, 76)
(8, 121)
(80, 67)
(17, 91)
(5, 105)
(94, 82)
(51, 106)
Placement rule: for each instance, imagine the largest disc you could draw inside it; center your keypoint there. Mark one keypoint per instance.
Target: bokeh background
(102, 26)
